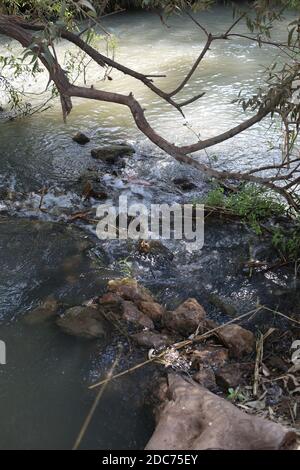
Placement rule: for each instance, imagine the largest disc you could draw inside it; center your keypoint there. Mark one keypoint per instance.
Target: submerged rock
(238, 340)
(186, 318)
(90, 185)
(47, 310)
(111, 153)
(193, 418)
(222, 305)
(85, 322)
(90, 190)
(151, 339)
(81, 138)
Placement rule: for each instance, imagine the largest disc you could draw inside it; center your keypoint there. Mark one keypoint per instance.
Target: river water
(43, 388)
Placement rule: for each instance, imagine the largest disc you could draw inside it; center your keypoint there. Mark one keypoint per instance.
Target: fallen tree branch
(15, 29)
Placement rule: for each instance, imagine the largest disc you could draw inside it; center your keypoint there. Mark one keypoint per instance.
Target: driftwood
(192, 418)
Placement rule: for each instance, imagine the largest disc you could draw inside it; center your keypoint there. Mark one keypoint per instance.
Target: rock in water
(81, 138)
(85, 322)
(186, 318)
(153, 310)
(111, 153)
(89, 191)
(111, 299)
(184, 183)
(238, 340)
(47, 310)
(151, 339)
(222, 305)
(129, 289)
(154, 248)
(133, 315)
(192, 418)
(89, 185)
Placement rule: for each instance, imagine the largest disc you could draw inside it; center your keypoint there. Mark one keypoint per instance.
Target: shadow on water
(44, 395)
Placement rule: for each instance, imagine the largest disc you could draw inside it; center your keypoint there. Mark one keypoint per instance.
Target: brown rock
(150, 339)
(205, 377)
(85, 322)
(186, 318)
(47, 310)
(110, 298)
(193, 418)
(133, 315)
(152, 309)
(112, 304)
(213, 356)
(238, 340)
(129, 289)
(229, 376)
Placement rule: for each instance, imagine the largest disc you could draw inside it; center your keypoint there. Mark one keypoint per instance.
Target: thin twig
(282, 315)
(95, 404)
(43, 193)
(259, 357)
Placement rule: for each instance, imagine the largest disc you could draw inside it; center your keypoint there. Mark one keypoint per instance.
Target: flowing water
(43, 388)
